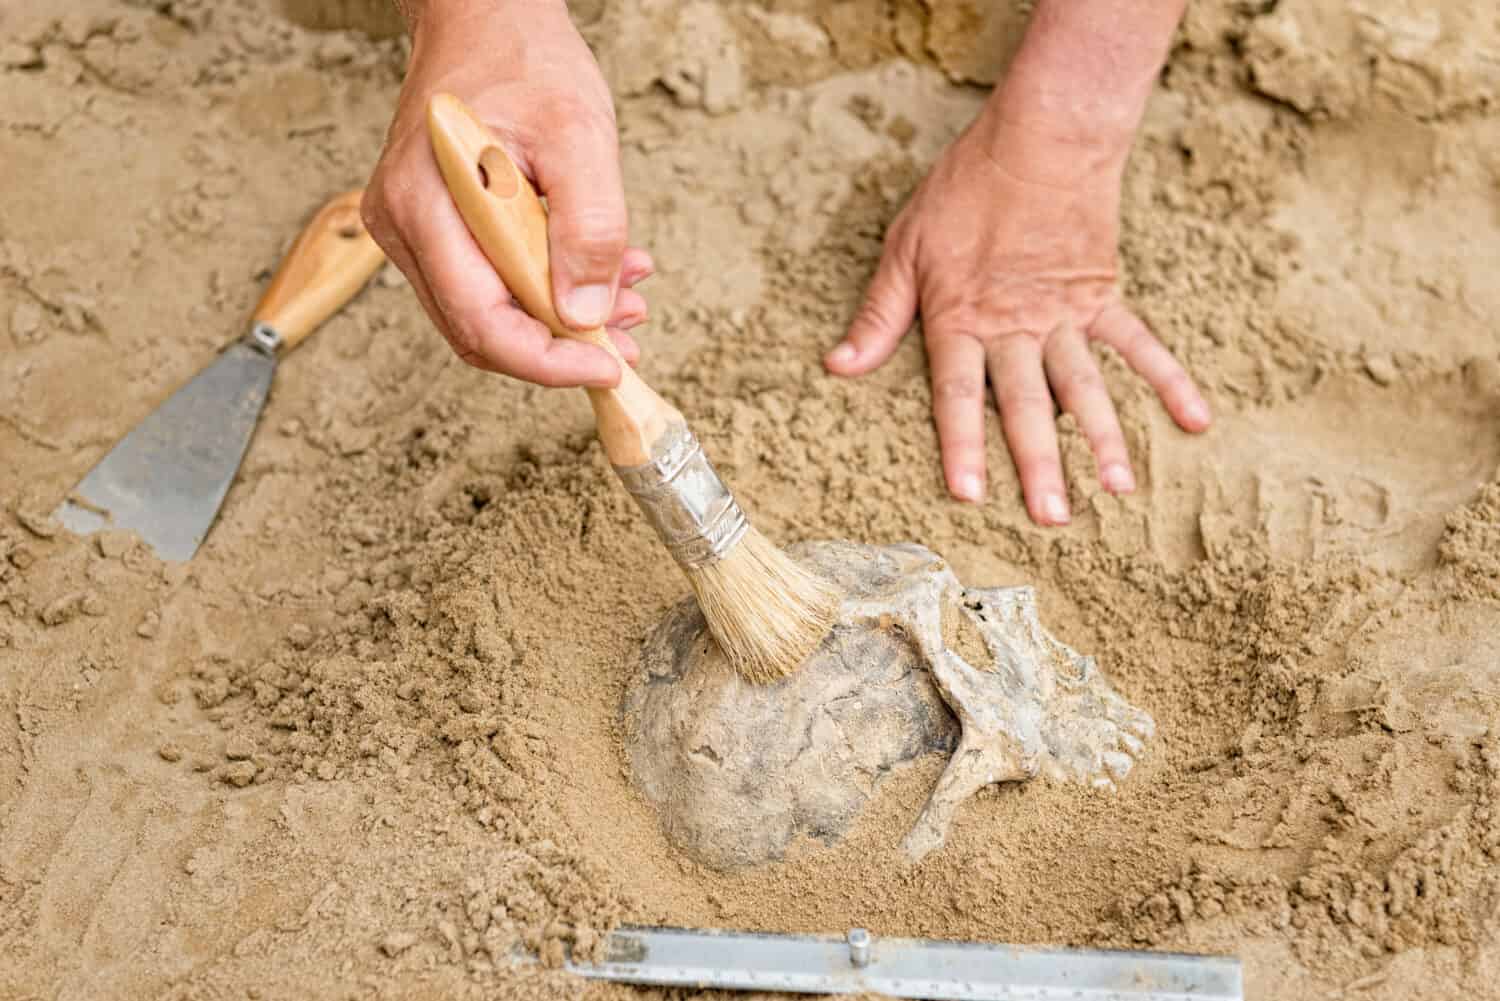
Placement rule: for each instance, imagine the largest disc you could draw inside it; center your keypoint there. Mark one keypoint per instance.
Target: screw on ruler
(859, 947)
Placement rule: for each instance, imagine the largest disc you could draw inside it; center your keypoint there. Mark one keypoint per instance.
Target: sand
(368, 741)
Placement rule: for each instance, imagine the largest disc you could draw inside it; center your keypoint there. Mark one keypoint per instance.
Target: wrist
(1085, 70)
(1029, 145)
(427, 16)
(1062, 111)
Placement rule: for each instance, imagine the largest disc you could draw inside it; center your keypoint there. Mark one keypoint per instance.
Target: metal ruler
(907, 968)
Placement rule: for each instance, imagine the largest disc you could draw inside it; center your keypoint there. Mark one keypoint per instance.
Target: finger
(885, 315)
(483, 322)
(630, 310)
(564, 358)
(1123, 330)
(629, 349)
(1026, 411)
(377, 223)
(586, 225)
(396, 250)
(635, 267)
(1080, 389)
(957, 365)
(418, 282)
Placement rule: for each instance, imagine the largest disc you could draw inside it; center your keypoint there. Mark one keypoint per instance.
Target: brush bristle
(767, 612)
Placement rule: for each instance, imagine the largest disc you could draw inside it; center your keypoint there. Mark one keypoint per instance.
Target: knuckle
(958, 389)
(383, 190)
(946, 326)
(598, 228)
(1136, 340)
(875, 315)
(370, 212)
(375, 226)
(1178, 385)
(544, 377)
(962, 444)
(1034, 461)
(464, 318)
(599, 115)
(1080, 384)
(463, 346)
(373, 213)
(469, 324)
(382, 209)
(897, 247)
(1024, 398)
(1110, 449)
(582, 125)
(1038, 475)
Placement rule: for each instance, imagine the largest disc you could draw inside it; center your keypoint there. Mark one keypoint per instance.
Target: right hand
(528, 74)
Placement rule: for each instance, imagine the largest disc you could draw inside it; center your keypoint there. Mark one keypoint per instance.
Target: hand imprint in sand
(737, 771)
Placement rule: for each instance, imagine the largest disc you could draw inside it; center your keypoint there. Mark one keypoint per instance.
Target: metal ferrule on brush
(684, 500)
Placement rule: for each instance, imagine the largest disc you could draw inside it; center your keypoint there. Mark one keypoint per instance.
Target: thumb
(586, 227)
(884, 317)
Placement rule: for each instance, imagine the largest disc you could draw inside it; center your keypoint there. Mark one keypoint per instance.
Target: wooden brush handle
(509, 223)
(330, 262)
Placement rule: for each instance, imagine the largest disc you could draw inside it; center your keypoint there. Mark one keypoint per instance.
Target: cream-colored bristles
(768, 612)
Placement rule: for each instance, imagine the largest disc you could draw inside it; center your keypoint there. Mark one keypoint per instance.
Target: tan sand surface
(368, 741)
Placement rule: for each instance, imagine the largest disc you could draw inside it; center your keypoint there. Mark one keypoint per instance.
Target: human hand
(1008, 248)
(525, 70)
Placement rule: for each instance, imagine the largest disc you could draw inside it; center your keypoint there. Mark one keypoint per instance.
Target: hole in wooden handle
(346, 224)
(497, 174)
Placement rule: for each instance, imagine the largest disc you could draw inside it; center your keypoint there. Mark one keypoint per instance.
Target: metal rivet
(264, 338)
(859, 947)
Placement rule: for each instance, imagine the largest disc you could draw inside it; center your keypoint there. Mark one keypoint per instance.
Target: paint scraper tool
(167, 478)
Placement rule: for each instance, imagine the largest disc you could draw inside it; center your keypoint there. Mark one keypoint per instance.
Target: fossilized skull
(917, 664)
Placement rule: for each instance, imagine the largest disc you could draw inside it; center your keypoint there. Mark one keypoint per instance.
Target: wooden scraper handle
(509, 223)
(328, 264)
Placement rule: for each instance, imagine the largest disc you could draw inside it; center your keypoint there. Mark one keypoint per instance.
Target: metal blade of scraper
(907, 968)
(167, 478)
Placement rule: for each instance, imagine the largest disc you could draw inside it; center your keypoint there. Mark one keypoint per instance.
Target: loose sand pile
(369, 739)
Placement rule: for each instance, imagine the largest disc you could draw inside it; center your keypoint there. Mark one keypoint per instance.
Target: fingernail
(969, 487)
(1117, 479)
(587, 306)
(842, 355)
(1197, 413)
(1054, 510)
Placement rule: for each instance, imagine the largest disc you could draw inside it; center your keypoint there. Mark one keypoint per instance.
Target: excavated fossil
(917, 664)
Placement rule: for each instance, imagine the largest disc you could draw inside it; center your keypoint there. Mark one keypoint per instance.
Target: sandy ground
(368, 740)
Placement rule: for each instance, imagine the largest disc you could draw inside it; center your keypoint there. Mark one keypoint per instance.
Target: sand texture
(370, 739)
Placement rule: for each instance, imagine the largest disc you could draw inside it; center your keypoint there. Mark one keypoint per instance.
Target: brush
(767, 612)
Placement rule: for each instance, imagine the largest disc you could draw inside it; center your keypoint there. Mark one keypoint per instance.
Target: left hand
(1008, 249)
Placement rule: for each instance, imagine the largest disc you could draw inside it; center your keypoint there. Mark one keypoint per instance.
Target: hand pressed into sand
(528, 73)
(1008, 250)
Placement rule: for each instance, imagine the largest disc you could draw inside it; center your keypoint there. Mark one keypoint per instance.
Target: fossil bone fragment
(917, 664)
